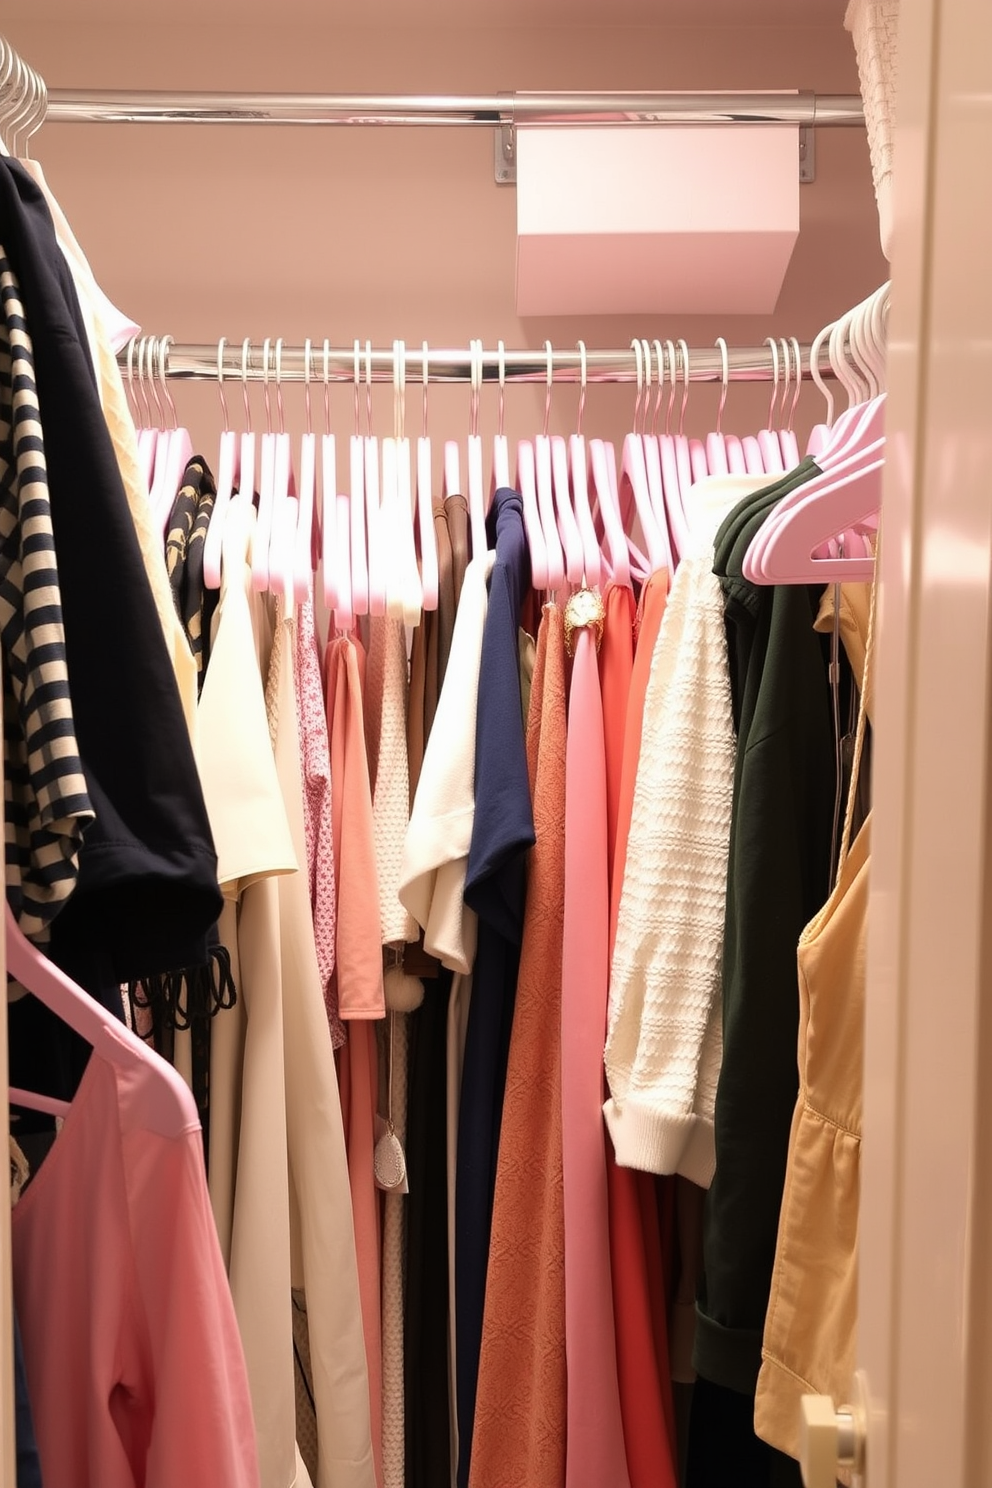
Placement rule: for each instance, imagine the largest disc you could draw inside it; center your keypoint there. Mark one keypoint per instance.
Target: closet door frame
(925, 1306)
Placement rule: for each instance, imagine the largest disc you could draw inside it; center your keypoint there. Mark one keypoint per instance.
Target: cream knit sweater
(664, 1042)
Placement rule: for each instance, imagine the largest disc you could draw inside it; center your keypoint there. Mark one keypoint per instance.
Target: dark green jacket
(778, 877)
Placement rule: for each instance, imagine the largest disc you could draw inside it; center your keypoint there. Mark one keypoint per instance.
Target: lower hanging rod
(155, 357)
(85, 106)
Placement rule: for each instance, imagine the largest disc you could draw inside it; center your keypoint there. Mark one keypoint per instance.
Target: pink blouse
(134, 1363)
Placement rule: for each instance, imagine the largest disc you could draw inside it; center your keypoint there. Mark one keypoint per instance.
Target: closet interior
(437, 741)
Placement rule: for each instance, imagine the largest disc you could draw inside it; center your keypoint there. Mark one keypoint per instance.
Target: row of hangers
(824, 531)
(588, 515)
(23, 102)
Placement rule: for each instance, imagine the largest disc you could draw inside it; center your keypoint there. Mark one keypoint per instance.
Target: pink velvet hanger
(376, 545)
(634, 478)
(792, 358)
(604, 483)
(178, 451)
(307, 516)
(792, 540)
(333, 553)
(671, 475)
(476, 486)
(266, 487)
(358, 564)
(768, 443)
(592, 558)
(282, 536)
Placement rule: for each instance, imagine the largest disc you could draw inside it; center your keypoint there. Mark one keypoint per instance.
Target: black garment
(778, 877)
(28, 1465)
(147, 888)
(184, 543)
(723, 1449)
(495, 887)
(425, 1342)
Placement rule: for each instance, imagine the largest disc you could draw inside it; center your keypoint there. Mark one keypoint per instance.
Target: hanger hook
(266, 346)
(368, 387)
(327, 386)
(245, 365)
(399, 388)
(282, 420)
(724, 381)
(583, 373)
(769, 342)
(357, 369)
(148, 390)
(815, 375)
(221, 343)
(686, 373)
(475, 359)
(163, 358)
(131, 404)
(646, 409)
(501, 362)
(638, 351)
(787, 378)
(425, 377)
(660, 355)
(797, 352)
(670, 358)
(551, 376)
(307, 357)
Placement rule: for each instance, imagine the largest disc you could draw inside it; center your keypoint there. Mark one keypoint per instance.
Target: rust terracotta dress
(520, 1425)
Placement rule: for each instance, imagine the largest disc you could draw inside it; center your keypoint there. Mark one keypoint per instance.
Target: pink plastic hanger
(333, 556)
(108, 1035)
(771, 450)
(683, 454)
(376, 545)
(634, 478)
(425, 503)
(227, 475)
(790, 541)
(282, 537)
(538, 460)
(554, 502)
(476, 486)
(406, 594)
(178, 449)
(717, 460)
(736, 463)
(358, 567)
(820, 433)
(344, 609)
(786, 438)
(592, 558)
(147, 433)
(266, 487)
(303, 535)
(652, 451)
(604, 482)
(500, 478)
(678, 527)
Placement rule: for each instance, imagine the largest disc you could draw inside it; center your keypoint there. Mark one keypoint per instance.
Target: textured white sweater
(664, 1042)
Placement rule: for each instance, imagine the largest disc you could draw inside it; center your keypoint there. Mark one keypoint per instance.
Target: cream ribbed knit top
(664, 1040)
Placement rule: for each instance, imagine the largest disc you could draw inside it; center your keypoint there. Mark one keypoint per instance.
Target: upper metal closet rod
(90, 106)
(198, 363)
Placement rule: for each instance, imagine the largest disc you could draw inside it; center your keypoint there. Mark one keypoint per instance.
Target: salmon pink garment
(595, 1453)
(519, 1435)
(635, 1241)
(358, 974)
(134, 1364)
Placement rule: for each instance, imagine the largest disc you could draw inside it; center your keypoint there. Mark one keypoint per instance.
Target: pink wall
(202, 232)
